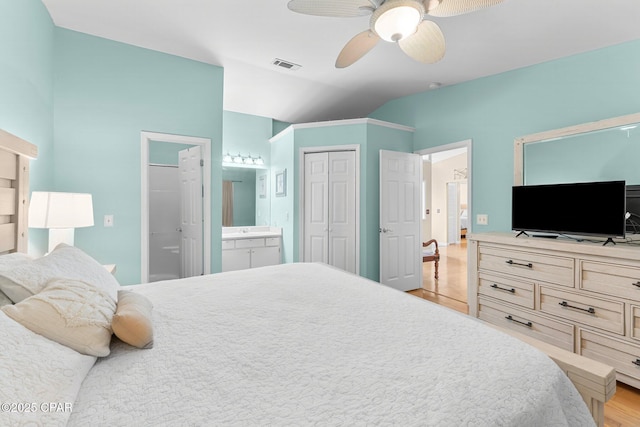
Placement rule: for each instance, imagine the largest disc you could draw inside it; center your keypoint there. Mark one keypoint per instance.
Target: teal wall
(165, 153)
(26, 88)
(105, 94)
(246, 134)
(283, 208)
(493, 111)
(279, 126)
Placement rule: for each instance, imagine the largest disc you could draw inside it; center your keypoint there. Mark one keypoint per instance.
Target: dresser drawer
(596, 312)
(610, 279)
(249, 243)
(537, 326)
(530, 265)
(621, 355)
(634, 324)
(507, 289)
(228, 244)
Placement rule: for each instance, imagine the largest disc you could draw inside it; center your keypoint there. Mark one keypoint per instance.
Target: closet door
(342, 210)
(330, 221)
(316, 207)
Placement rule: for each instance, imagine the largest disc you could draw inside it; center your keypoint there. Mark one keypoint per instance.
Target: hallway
(451, 287)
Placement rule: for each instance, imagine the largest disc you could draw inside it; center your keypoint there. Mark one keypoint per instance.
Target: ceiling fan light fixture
(397, 19)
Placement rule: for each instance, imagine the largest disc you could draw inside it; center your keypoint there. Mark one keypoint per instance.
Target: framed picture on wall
(281, 183)
(262, 186)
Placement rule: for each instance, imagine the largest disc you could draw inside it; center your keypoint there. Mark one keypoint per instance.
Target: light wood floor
(450, 290)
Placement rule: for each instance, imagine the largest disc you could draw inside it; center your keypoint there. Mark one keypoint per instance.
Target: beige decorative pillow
(64, 262)
(70, 312)
(132, 320)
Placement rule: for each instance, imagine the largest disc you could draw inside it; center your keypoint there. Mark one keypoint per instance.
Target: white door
(453, 213)
(342, 210)
(400, 244)
(316, 207)
(191, 195)
(330, 209)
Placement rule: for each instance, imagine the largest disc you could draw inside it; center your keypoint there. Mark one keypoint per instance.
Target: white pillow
(8, 261)
(4, 300)
(38, 371)
(70, 312)
(66, 262)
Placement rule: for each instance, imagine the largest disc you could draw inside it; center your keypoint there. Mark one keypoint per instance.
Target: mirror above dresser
(604, 150)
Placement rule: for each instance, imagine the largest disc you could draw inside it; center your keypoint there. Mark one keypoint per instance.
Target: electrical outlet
(482, 219)
(108, 220)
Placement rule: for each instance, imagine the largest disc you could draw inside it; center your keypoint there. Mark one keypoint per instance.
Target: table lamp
(61, 213)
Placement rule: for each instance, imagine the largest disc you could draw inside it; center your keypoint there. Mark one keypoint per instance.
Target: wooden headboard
(14, 191)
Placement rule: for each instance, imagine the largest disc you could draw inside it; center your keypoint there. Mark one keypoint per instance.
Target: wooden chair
(428, 255)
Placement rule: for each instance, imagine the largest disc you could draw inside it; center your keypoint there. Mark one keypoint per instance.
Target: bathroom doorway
(176, 231)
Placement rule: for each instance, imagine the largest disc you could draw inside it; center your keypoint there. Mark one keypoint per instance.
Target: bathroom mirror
(245, 197)
(598, 151)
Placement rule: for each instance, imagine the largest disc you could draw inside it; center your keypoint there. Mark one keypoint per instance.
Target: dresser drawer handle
(636, 362)
(528, 324)
(512, 262)
(637, 284)
(590, 310)
(512, 290)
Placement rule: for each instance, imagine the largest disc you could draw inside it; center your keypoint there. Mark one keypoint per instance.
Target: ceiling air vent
(285, 64)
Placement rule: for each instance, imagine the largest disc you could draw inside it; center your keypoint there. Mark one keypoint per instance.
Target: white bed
(296, 344)
(303, 344)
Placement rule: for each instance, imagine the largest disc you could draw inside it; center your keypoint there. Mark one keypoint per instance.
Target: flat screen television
(585, 208)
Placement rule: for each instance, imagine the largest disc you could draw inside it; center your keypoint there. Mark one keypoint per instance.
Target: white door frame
(205, 143)
(467, 143)
(302, 152)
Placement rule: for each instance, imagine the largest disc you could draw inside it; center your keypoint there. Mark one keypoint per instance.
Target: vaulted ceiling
(246, 37)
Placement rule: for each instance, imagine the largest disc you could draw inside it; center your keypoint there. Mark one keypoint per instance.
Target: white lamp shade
(60, 210)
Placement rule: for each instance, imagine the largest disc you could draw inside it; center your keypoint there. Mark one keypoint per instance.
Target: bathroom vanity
(250, 247)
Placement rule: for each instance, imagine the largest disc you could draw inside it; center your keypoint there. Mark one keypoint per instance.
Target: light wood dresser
(580, 296)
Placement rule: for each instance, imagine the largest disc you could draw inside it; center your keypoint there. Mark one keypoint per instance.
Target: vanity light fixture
(240, 160)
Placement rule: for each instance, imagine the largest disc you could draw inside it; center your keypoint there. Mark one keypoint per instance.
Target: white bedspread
(305, 344)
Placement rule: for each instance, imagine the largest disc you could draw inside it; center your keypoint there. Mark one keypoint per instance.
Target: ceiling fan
(400, 21)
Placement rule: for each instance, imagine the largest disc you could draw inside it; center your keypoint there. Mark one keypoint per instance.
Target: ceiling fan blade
(356, 48)
(332, 8)
(459, 7)
(426, 45)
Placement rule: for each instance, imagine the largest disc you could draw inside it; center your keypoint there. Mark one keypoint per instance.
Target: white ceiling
(244, 37)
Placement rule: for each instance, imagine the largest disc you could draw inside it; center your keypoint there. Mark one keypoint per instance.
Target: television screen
(586, 208)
